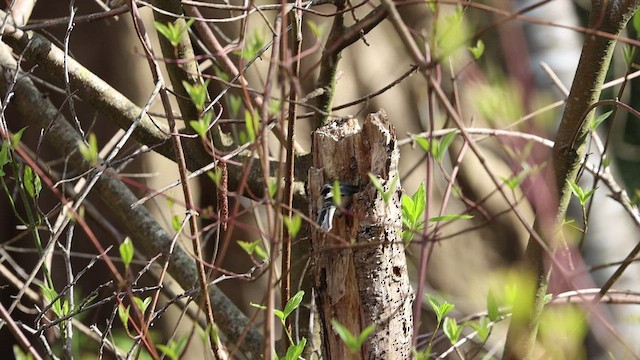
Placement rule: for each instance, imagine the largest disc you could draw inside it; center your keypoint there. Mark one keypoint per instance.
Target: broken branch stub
(360, 270)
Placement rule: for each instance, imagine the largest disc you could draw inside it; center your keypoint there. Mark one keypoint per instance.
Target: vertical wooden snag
(360, 272)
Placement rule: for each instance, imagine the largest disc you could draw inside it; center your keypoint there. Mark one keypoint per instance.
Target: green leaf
(493, 309)
(253, 247)
(477, 50)
(176, 222)
(201, 126)
(441, 309)
(89, 150)
(316, 30)
(32, 182)
(274, 106)
(126, 251)
(174, 348)
(252, 47)
(168, 351)
(422, 355)
(628, 53)
(222, 75)
(234, 104)
(366, 332)
(293, 303)
(636, 23)
(251, 124)
(123, 313)
(452, 330)
(424, 143)
(293, 224)
(142, 304)
(482, 329)
(451, 217)
(18, 354)
(408, 210)
(4, 157)
(273, 188)
(444, 145)
(16, 137)
(294, 351)
(580, 194)
(172, 31)
(279, 314)
(215, 175)
(599, 120)
(50, 294)
(197, 93)
(337, 196)
(352, 342)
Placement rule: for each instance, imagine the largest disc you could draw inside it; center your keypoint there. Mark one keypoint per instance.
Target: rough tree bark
(360, 275)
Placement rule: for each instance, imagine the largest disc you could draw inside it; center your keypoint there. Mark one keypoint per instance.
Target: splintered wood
(360, 270)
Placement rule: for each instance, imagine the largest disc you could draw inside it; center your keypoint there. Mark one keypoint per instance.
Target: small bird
(330, 200)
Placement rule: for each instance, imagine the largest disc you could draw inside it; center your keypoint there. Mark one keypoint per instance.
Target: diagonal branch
(119, 109)
(146, 233)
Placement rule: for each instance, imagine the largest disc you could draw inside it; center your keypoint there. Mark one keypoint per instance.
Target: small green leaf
(16, 137)
(279, 314)
(4, 157)
(202, 125)
(126, 251)
(444, 145)
(441, 309)
(636, 23)
(628, 53)
(424, 143)
(222, 75)
(50, 294)
(234, 104)
(482, 329)
(293, 224)
(142, 304)
(89, 151)
(274, 106)
(316, 30)
(251, 124)
(253, 247)
(18, 354)
(452, 330)
(351, 341)
(580, 194)
(172, 31)
(174, 348)
(493, 309)
(366, 332)
(123, 313)
(422, 355)
(215, 175)
(273, 188)
(294, 351)
(293, 303)
(176, 222)
(337, 196)
(197, 93)
(32, 182)
(477, 50)
(600, 119)
(253, 46)
(376, 183)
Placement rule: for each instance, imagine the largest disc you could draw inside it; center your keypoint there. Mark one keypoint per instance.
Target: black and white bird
(328, 204)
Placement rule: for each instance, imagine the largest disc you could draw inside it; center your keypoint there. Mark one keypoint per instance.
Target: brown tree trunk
(360, 272)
